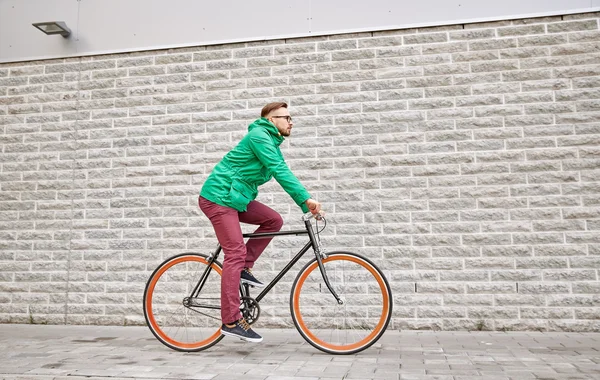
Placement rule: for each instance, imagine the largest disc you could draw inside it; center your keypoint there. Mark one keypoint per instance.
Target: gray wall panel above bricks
(464, 160)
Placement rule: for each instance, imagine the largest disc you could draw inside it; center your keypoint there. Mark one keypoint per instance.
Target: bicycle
(344, 307)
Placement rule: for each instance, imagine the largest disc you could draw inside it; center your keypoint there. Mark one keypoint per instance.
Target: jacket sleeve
(267, 153)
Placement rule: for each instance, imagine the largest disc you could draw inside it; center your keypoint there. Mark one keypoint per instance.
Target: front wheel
(352, 326)
(177, 320)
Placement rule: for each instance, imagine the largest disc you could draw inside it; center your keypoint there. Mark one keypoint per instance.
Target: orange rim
(150, 314)
(348, 347)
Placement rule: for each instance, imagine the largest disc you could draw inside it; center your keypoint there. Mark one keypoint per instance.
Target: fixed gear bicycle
(340, 302)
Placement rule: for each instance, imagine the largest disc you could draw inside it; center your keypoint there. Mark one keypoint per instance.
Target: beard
(285, 132)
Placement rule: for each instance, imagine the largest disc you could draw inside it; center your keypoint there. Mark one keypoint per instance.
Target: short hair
(272, 107)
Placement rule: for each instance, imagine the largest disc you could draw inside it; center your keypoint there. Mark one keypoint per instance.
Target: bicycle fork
(326, 280)
(319, 255)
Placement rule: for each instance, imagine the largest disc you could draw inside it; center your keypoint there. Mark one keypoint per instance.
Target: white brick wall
(464, 160)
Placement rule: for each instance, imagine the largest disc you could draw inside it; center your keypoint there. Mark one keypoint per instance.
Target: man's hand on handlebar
(315, 208)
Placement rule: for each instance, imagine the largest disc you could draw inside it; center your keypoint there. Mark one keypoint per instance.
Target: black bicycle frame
(312, 243)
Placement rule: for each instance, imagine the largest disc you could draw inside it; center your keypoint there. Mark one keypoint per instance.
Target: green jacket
(254, 161)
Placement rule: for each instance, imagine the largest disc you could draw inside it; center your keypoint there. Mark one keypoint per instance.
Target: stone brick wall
(464, 160)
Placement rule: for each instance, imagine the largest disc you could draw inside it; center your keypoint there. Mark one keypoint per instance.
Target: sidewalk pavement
(39, 352)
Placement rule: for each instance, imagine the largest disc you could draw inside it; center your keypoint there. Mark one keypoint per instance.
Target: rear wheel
(176, 320)
(356, 324)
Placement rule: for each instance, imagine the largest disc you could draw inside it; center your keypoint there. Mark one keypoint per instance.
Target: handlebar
(309, 216)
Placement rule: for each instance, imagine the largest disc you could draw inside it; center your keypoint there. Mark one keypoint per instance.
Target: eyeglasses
(287, 118)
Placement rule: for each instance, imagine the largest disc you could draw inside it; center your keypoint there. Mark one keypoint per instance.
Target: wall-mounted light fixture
(53, 27)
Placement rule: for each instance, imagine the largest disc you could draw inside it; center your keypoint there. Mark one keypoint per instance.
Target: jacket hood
(266, 124)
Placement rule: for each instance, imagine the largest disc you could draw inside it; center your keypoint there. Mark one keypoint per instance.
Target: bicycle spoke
(199, 312)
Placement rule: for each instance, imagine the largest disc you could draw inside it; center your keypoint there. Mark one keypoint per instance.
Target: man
(227, 198)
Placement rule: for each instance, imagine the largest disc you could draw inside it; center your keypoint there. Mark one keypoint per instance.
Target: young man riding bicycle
(227, 198)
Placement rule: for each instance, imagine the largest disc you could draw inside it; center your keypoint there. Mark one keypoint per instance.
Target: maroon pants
(238, 255)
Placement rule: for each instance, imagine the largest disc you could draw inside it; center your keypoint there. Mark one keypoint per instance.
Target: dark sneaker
(248, 278)
(241, 330)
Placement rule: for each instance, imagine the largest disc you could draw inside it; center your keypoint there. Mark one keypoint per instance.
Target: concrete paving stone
(230, 376)
(367, 372)
(414, 371)
(520, 375)
(157, 375)
(48, 371)
(290, 378)
(445, 367)
(301, 374)
(14, 372)
(384, 368)
(196, 376)
(493, 376)
(309, 371)
(385, 376)
(335, 371)
(283, 372)
(359, 376)
(453, 372)
(342, 365)
(260, 370)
